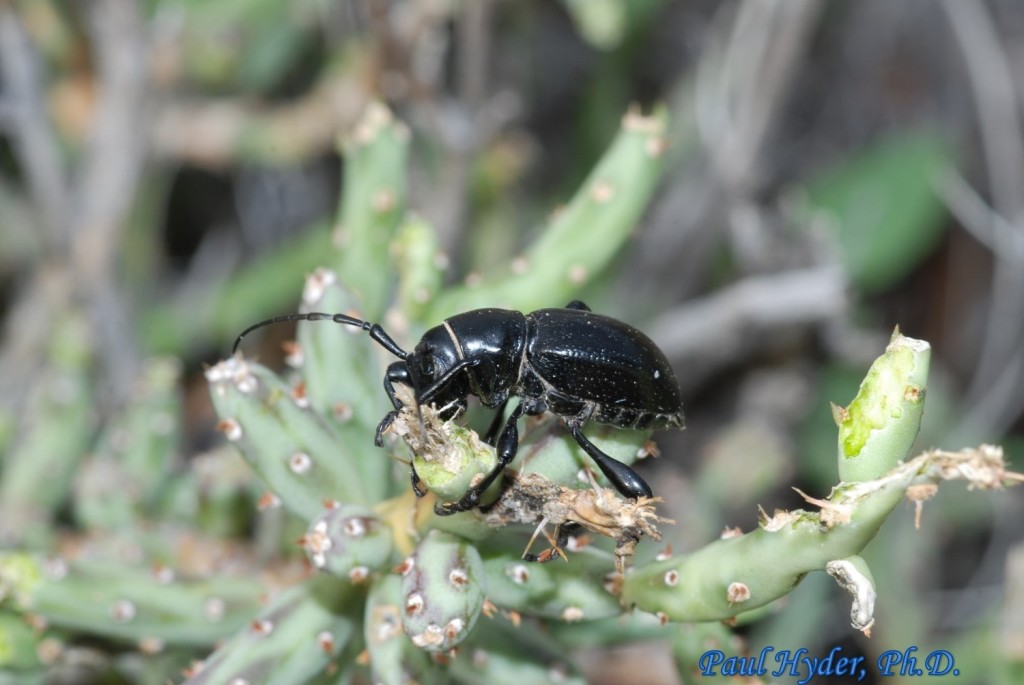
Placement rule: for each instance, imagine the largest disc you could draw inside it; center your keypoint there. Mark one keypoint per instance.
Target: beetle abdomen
(617, 370)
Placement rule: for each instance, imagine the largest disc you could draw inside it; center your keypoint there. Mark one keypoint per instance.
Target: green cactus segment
(449, 467)
(104, 498)
(735, 575)
(585, 235)
(293, 451)
(348, 541)
(373, 204)
(601, 22)
(217, 492)
(134, 456)
(420, 266)
(691, 641)
(506, 665)
(20, 575)
(394, 660)
(261, 288)
(519, 585)
(7, 428)
(879, 427)
(442, 592)
(119, 602)
(150, 442)
(606, 24)
(502, 653)
(39, 468)
(336, 359)
(567, 591)
(606, 632)
(340, 368)
(551, 451)
(447, 458)
(19, 642)
(382, 629)
(293, 640)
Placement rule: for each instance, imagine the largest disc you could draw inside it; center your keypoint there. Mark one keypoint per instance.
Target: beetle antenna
(377, 333)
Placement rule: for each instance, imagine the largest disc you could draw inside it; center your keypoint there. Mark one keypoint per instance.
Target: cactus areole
(574, 363)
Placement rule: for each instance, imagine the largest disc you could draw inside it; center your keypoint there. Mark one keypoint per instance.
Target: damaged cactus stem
(448, 459)
(532, 498)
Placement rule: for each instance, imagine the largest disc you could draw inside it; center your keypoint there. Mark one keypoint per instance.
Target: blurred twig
(30, 128)
(975, 215)
(35, 144)
(82, 219)
(107, 180)
(463, 125)
(730, 323)
(996, 395)
(457, 124)
(216, 133)
(741, 83)
(1012, 629)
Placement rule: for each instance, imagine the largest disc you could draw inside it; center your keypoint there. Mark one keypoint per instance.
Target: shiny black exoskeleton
(574, 363)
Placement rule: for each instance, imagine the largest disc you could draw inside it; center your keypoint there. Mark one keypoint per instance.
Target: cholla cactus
(390, 587)
(457, 567)
(442, 591)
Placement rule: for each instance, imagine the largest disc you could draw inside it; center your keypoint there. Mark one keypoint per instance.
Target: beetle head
(435, 369)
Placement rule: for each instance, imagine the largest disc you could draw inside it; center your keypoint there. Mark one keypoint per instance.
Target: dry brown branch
(532, 498)
(217, 133)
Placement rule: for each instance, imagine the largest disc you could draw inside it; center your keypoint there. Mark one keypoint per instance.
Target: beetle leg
(566, 531)
(492, 430)
(382, 427)
(578, 304)
(558, 543)
(623, 478)
(508, 445)
(417, 484)
(398, 372)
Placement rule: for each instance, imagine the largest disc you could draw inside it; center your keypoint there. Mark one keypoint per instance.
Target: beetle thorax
(493, 341)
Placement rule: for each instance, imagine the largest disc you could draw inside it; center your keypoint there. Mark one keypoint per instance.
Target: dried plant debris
(983, 467)
(531, 498)
(449, 458)
(429, 436)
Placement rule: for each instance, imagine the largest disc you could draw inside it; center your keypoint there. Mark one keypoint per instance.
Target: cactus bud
(443, 592)
(347, 541)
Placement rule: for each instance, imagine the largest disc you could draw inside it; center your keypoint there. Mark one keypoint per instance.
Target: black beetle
(574, 363)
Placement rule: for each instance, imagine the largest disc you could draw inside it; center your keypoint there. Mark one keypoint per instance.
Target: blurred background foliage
(170, 171)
